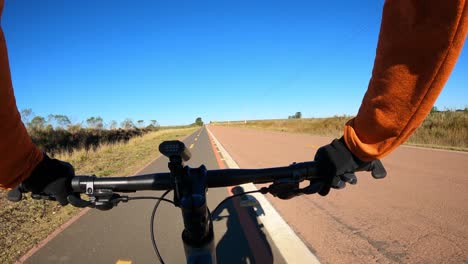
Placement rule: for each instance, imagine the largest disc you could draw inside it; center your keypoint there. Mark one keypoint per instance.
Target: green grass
(26, 223)
(445, 130)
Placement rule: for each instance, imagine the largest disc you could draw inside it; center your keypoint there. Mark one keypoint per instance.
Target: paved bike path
(418, 214)
(123, 232)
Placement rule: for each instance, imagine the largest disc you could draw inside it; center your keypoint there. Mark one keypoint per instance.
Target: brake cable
(262, 190)
(153, 214)
(153, 239)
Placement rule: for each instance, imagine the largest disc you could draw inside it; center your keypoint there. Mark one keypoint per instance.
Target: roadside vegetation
(56, 133)
(441, 129)
(60, 140)
(26, 223)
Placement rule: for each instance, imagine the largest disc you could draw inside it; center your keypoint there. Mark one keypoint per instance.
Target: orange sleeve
(419, 43)
(18, 155)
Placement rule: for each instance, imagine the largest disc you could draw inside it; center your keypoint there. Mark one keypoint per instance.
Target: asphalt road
(122, 234)
(418, 214)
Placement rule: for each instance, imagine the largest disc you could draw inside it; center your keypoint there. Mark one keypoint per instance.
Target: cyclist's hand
(337, 165)
(51, 177)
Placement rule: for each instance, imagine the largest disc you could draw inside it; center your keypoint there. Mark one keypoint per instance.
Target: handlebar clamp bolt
(89, 188)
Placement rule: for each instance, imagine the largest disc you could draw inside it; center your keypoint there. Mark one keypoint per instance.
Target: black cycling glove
(51, 177)
(337, 165)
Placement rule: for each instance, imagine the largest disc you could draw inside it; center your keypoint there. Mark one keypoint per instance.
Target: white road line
(434, 149)
(291, 247)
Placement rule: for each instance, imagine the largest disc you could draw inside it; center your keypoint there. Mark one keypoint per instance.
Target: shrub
(60, 140)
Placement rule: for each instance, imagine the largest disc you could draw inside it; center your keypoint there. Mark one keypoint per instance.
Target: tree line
(56, 133)
(297, 115)
(56, 121)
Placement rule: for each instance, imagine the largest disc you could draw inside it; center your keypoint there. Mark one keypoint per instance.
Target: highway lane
(418, 214)
(122, 234)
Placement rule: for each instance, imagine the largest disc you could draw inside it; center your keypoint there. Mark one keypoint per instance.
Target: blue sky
(176, 60)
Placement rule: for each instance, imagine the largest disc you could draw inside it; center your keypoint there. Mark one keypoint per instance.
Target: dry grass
(122, 159)
(447, 130)
(26, 223)
(332, 126)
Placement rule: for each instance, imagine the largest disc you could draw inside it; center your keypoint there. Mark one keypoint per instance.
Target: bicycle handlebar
(214, 178)
(189, 186)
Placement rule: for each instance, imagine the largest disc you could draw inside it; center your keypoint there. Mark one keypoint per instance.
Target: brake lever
(76, 201)
(285, 189)
(102, 199)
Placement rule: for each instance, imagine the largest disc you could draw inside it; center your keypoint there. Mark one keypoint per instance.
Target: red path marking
(259, 250)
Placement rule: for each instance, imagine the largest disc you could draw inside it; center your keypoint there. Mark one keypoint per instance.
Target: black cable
(230, 197)
(153, 239)
(150, 198)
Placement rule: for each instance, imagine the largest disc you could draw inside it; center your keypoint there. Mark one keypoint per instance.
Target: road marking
(259, 253)
(191, 146)
(251, 227)
(221, 164)
(434, 149)
(196, 139)
(123, 262)
(291, 247)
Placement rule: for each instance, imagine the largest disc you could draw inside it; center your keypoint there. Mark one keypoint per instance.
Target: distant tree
(154, 123)
(50, 120)
(74, 128)
(95, 122)
(49, 128)
(113, 125)
(199, 121)
(141, 123)
(62, 121)
(297, 115)
(37, 123)
(26, 115)
(434, 109)
(128, 124)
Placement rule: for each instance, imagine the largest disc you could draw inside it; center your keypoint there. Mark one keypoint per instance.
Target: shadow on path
(244, 240)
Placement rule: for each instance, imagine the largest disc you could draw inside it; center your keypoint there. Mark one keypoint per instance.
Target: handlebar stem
(195, 213)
